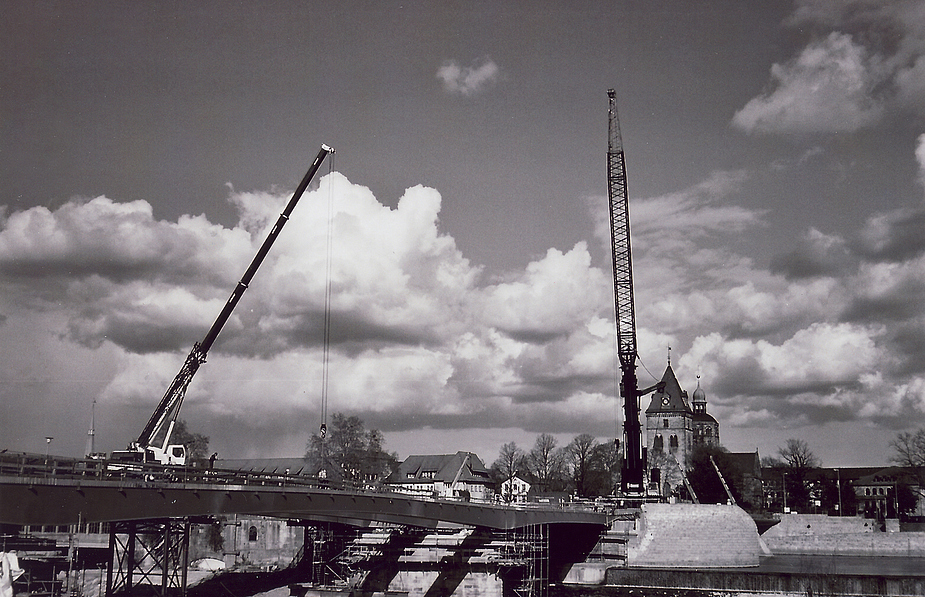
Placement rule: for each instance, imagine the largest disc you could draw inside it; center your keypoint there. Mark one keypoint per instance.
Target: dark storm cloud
(134, 335)
(909, 340)
(350, 332)
(899, 305)
(814, 255)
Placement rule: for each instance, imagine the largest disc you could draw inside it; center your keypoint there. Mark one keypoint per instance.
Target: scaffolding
(522, 559)
(149, 553)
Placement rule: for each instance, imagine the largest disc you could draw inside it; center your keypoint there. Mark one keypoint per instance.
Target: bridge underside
(69, 501)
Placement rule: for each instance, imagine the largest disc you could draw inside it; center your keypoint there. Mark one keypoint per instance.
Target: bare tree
(546, 462)
(910, 451)
(798, 459)
(910, 448)
(796, 454)
(511, 460)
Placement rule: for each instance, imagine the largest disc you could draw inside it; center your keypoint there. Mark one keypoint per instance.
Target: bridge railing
(52, 468)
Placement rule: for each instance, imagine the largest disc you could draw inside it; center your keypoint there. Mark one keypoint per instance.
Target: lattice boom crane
(633, 478)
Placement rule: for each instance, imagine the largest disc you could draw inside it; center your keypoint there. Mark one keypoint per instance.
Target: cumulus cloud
(895, 235)
(420, 338)
(872, 59)
(829, 87)
(119, 241)
(920, 155)
(468, 80)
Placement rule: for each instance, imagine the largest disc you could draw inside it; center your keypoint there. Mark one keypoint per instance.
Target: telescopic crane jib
(633, 478)
(165, 415)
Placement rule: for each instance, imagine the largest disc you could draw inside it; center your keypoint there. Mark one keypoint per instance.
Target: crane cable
(326, 351)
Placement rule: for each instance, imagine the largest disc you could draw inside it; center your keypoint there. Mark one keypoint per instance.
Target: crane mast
(632, 481)
(167, 410)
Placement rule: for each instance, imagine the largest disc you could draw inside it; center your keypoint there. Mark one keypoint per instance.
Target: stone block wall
(694, 536)
(819, 524)
(854, 544)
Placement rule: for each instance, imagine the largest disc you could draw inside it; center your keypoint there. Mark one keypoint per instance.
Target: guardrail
(50, 468)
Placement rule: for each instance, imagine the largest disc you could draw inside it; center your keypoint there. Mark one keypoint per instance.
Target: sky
(775, 156)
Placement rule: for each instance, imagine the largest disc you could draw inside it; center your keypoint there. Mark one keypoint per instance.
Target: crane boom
(169, 406)
(632, 480)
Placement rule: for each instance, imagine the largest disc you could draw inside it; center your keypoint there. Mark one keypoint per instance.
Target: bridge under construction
(150, 509)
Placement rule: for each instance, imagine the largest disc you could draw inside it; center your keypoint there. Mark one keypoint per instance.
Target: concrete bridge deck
(65, 491)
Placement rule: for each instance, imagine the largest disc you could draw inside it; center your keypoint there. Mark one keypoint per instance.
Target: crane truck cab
(165, 454)
(174, 454)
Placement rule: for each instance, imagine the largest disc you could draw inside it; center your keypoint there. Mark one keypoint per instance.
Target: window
(658, 445)
(665, 423)
(709, 432)
(673, 442)
(252, 534)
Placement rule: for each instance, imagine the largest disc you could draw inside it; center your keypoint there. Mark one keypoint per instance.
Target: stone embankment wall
(731, 582)
(694, 536)
(819, 524)
(844, 536)
(856, 544)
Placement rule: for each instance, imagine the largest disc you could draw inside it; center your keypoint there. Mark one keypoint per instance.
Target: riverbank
(776, 576)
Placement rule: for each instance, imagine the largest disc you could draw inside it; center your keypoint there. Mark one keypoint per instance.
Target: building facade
(460, 475)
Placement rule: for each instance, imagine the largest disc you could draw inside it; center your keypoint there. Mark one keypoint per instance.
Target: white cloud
(872, 61)
(421, 340)
(469, 80)
(829, 87)
(920, 155)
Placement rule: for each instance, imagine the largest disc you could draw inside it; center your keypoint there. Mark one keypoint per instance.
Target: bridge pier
(154, 553)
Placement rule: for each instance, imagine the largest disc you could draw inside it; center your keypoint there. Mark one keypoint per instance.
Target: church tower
(706, 428)
(669, 423)
(674, 427)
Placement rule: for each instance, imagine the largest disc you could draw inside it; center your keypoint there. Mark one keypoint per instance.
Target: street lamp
(48, 439)
(838, 472)
(783, 480)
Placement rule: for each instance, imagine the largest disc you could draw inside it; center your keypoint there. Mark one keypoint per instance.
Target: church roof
(672, 398)
(704, 417)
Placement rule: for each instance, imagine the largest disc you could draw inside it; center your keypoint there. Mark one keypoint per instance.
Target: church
(675, 425)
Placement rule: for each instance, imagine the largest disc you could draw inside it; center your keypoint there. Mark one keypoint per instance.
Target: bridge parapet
(64, 501)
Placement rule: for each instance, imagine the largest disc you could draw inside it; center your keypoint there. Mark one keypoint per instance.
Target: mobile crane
(150, 447)
(632, 481)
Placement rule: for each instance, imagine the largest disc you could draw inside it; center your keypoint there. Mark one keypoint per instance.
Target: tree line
(584, 467)
(587, 468)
